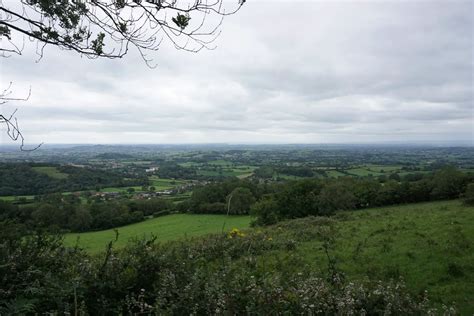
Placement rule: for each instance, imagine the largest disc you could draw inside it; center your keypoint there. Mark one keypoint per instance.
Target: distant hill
(33, 179)
(113, 156)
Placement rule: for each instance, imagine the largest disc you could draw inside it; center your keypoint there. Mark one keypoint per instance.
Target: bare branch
(11, 122)
(107, 28)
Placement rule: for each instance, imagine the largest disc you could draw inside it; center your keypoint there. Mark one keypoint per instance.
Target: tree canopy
(109, 28)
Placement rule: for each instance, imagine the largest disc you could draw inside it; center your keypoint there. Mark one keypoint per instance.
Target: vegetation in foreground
(376, 261)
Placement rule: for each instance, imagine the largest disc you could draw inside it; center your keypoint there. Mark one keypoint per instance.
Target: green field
(221, 162)
(385, 169)
(429, 245)
(226, 172)
(335, 174)
(165, 228)
(51, 172)
(363, 172)
(189, 164)
(220, 168)
(11, 198)
(158, 183)
(164, 184)
(177, 198)
(121, 189)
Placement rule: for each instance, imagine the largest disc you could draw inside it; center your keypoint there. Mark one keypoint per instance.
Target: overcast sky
(283, 72)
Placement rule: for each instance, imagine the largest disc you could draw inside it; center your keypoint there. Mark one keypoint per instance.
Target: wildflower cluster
(235, 232)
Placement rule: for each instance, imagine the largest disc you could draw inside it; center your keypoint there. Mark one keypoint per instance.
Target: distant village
(144, 195)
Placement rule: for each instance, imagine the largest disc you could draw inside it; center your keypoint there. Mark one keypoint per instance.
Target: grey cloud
(313, 72)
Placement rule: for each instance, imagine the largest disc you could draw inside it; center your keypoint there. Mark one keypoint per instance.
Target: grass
(51, 172)
(188, 164)
(386, 169)
(10, 198)
(176, 198)
(335, 174)
(429, 245)
(225, 169)
(164, 184)
(244, 175)
(166, 228)
(158, 183)
(220, 162)
(363, 172)
(121, 189)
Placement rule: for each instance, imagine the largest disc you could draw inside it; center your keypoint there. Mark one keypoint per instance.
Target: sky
(283, 72)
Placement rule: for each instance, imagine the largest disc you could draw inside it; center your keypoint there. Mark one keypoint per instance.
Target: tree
(336, 196)
(106, 29)
(395, 177)
(10, 121)
(265, 172)
(447, 183)
(264, 212)
(239, 201)
(80, 220)
(299, 199)
(109, 28)
(47, 215)
(469, 195)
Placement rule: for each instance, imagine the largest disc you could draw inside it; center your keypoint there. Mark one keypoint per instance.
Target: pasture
(159, 184)
(335, 174)
(165, 228)
(51, 172)
(11, 198)
(164, 184)
(238, 171)
(363, 172)
(429, 245)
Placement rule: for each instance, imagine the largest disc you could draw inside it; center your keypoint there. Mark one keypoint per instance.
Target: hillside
(428, 245)
(34, 179)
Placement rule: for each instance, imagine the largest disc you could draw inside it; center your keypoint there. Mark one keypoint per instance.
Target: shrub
(469, 195)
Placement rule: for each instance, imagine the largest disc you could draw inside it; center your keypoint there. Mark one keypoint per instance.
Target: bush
(161, 213)
(469, 195)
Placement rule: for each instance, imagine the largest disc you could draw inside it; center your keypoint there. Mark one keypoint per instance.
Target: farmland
(51, 172)
(312, 228)
(166, 228)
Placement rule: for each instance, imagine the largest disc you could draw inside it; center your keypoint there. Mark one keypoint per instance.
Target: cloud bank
(283, 72)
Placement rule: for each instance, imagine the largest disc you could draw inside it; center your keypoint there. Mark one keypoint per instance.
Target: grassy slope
(166, 228)
(51, 172)
(429, 245)
(363, 172)
(335, 174)
(11, 198)
(158, 183)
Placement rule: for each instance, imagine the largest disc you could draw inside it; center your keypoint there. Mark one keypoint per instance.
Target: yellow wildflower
(235, 232)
